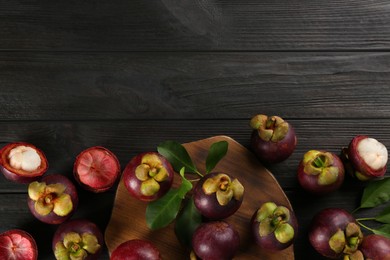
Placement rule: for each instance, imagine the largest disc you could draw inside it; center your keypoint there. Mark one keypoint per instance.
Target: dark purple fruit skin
(136, 249)
(270, 243)
(52, 218)
(216, 240)
(325, 224)
(357, 161)
(310, 184)
(133, 185)
(274, 152)
(376, 247)
(208, 205)
(79, 226)
(14, 175)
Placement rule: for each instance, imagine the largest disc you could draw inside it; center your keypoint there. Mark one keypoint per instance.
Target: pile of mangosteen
(217, 196)
(53, 199)
(334, 233)
(148, 176)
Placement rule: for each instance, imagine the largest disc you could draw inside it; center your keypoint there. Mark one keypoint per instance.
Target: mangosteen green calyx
(274, 227)
(273, 139)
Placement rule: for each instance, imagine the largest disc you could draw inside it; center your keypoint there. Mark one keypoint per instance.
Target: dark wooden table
(130, 74)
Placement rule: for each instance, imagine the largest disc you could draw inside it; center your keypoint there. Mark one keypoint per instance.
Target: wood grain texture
(62, 141)
(194, 25)
(155, 86)
(130, 74)
(128, 214)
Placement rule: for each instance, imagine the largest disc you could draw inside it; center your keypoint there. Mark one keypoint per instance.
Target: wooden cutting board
(128, 214)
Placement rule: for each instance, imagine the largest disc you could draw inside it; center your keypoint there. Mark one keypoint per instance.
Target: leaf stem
(364, 226)
(200, 175)
(354, 211)
(365, 219)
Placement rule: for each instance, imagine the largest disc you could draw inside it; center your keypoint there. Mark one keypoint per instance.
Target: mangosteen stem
(276, 221)
(48, 199)
(224, 185)
(319, 162)
(353, 241)
(153, 172)
(270, 124)
(75, 247)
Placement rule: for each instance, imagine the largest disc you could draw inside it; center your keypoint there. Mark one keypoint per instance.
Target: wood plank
(194, 25)
(63, 140)
(96, 86)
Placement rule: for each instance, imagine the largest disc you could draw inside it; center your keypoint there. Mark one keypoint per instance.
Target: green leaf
(376, 193)
(383, 230)
(186, 222)
(216, 152)
(185, 186)
(161, 212)
(384, 216)
(177, 155)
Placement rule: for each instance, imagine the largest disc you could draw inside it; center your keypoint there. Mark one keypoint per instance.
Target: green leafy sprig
(163, 211)
(376, 193)
(178, 156)
(187, 221)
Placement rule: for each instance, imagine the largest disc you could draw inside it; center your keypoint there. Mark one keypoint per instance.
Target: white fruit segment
(373, 153)
(24, 158)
